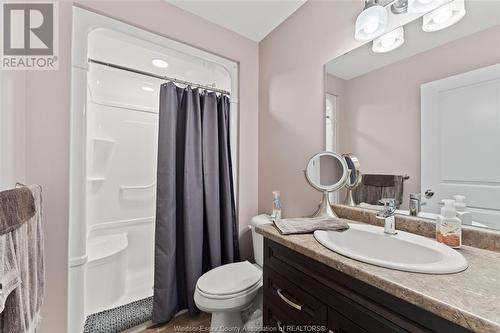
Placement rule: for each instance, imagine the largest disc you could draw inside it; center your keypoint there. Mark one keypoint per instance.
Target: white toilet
(227, 290)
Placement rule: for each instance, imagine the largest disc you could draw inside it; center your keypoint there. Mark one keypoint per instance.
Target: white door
(331, 122)
(460, 141)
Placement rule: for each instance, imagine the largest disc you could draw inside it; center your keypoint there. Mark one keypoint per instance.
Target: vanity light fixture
(371, 22)
(444, 16)
(159, 63)
(423, 6)
(389, 41)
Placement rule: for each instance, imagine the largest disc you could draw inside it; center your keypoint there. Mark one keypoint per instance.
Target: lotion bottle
(462, 213)
(449, 226)
(276, 205)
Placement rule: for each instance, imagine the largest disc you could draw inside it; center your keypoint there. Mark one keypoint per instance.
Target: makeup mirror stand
(325, 207)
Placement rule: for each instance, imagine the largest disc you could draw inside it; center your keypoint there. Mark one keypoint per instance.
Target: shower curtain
(195, 215)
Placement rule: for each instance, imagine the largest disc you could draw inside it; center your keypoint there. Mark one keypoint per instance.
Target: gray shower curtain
(195, 215)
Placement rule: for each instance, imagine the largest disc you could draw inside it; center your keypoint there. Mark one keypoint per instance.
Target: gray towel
(376, 187)
(21, 313)
(9, 272)
(16, 207)
(309, 225)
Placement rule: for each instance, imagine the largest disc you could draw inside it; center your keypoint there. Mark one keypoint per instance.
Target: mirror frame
(334, 187)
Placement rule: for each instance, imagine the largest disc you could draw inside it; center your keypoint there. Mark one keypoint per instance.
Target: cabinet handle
(289, 302)
(280, 327)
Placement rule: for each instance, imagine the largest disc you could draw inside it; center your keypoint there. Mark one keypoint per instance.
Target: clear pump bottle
(276, 205)
(449, 226)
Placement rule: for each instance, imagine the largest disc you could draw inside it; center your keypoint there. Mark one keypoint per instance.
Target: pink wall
(291, 100)
(12, 128)
(47, 127)
(381, 110)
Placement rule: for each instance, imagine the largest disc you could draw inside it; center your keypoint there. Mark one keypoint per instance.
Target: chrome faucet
(387, 214)
(415, 204)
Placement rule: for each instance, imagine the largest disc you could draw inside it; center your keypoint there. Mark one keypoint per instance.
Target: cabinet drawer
(347, 313)
(292, 300)
(337, 323)
(275, 320)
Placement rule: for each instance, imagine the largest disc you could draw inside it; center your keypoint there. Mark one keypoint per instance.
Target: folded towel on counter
(308, 225)
(21, 312)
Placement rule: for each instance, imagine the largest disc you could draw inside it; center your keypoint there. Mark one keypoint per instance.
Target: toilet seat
(250, 290)
(230, 287)
(229, 280)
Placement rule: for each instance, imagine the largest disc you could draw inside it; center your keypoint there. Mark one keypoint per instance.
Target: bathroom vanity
(306, 284)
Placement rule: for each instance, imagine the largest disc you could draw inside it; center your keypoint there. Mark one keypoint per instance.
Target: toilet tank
(258, 239)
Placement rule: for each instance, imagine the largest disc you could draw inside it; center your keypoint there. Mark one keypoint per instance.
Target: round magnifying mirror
(354, 178)
(326, 172)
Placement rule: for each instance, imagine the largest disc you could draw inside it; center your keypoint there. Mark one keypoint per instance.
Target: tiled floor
(181, 323)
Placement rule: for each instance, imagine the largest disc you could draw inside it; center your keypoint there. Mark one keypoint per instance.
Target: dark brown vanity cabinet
(304, 295)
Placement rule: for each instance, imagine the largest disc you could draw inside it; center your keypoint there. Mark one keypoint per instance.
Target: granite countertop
(470, 298)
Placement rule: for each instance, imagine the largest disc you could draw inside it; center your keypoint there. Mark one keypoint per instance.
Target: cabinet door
(340, 324)
(303, 308)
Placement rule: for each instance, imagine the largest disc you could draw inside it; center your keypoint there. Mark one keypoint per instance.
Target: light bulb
(370, 28)
(442, 15)
(159, 63)
(371, 23)
(389, 41)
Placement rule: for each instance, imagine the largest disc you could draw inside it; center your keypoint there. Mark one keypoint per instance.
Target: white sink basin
(403, 251)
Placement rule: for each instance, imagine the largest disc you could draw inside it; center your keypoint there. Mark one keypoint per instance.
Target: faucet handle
(389, 207)
(389, 203)
(388, 215)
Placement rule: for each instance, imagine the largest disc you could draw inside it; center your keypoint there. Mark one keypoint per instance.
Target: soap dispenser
(461, 208)
(449, 226)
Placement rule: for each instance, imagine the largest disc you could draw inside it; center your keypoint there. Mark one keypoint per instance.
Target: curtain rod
(166, 78)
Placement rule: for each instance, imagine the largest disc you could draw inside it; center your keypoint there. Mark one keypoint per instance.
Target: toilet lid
(229, 279)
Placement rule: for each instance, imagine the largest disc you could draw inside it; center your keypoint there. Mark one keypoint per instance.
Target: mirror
(327, 172)
(354, 178)
(424, 118)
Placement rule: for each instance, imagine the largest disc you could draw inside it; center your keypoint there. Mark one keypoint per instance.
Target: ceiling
(253, 19)
(480, 15)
